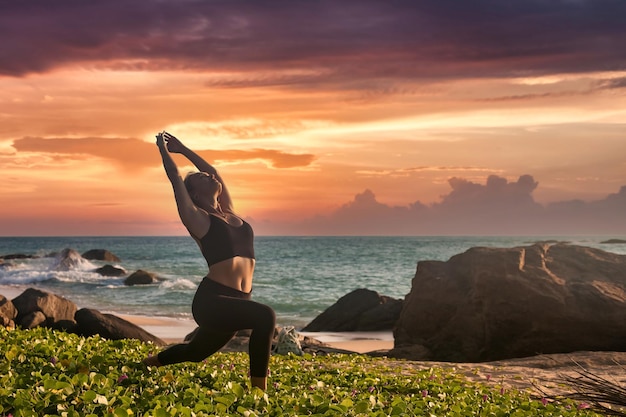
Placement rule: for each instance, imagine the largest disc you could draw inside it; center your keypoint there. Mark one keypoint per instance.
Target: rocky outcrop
(140, 277)
(360, 310)
(497, 303)
(52, 307)
(35, 308)
(101, 255)
(91, 322)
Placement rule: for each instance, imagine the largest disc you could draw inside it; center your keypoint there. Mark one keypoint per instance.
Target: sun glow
(303, 109)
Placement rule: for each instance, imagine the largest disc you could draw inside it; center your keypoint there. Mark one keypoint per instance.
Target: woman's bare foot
(152, 361)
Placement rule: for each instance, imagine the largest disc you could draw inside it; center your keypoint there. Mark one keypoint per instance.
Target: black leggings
(220, 312)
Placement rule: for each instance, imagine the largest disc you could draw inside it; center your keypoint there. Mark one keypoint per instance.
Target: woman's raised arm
(195, 220)
(176, 146)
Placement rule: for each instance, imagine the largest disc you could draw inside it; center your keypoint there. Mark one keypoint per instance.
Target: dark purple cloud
(498, 207)
(358, 40)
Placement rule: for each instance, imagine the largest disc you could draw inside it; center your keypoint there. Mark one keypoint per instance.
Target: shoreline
(172, 330)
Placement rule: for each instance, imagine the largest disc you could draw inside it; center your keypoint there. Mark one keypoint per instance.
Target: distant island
(614, 241)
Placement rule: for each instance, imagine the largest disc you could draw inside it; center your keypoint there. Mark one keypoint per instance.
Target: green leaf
(237, 389)
(101, 399)
(161, 412)
(89, 396)
(347, 403)
(121, 412)
(362, 407)
(226, 400)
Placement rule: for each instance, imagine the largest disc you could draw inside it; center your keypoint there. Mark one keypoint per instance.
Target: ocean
(298, 276)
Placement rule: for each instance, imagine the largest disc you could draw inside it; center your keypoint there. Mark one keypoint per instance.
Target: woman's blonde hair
(189, 187)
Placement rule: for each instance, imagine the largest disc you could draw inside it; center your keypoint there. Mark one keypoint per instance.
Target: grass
(50, 373)
(607, 396)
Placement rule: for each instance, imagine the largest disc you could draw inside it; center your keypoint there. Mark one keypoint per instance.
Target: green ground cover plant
(51, 373)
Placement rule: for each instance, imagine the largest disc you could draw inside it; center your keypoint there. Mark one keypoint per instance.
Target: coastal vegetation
(45, 372)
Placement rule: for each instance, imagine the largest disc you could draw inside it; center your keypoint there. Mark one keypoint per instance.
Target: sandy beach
(173, 330)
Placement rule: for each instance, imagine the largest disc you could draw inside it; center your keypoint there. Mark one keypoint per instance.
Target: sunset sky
(324, 117)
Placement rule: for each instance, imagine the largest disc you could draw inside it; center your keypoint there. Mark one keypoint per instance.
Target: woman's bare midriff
(235, 273)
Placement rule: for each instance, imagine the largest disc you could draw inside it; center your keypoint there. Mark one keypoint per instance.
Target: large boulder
(498, 303)
(91, 322)
(100, 255)
(359, 310)
(53, 307)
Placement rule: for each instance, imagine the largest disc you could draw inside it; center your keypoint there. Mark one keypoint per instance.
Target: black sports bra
(224, 241)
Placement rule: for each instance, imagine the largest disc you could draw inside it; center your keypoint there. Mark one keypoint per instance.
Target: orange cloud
(130, 153)
(134, 154)
(275, 159)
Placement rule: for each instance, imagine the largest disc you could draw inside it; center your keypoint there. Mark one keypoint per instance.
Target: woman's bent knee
(267, 318)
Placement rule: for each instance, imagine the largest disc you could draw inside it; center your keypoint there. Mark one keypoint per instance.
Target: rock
(6, 265)
(359, 310)
(33, 319)
(191, 334)
(53, 307)
(498, 303)
(68, 326)
(382, 316)
(7, 308)
(239, 342)
(91, 322)
(318, 348)
(6, 322)
(140, 277)
(110, 271)
(614, 241)
(100, 255)
(8, 312)
(409, 352)
(68, 259)
(18, 256)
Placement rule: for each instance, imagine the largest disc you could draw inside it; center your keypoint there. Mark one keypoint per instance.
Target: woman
(222, 304)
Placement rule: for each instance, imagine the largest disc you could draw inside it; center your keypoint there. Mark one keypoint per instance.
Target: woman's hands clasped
(160, 139)
(173, 144)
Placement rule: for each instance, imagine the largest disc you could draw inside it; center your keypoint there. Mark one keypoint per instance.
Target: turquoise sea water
(298, 276)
